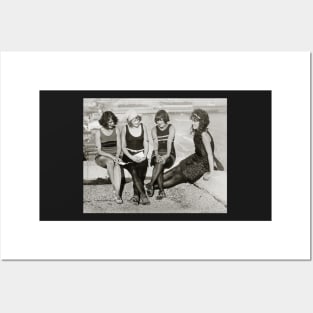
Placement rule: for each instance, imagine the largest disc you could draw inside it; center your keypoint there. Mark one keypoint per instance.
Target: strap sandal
(134, 199)
(144, 201)
(161, 195)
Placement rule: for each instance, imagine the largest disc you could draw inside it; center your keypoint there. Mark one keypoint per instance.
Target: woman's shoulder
(171, 127)
(123, 128)
(206, 135)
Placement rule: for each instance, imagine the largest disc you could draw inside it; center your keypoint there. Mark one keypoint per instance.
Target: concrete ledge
(216, 186)
(93, 172)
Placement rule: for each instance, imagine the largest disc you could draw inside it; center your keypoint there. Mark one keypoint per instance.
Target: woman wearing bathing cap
(135, 146)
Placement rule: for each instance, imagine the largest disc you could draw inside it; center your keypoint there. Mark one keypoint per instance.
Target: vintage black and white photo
(155, 155)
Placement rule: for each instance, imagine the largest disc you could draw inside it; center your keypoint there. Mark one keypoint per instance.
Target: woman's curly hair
(106, 116)
(203, 118)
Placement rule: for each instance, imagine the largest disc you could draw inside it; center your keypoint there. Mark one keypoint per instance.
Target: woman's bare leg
(108, 164)
(114, 175)
(117, 178)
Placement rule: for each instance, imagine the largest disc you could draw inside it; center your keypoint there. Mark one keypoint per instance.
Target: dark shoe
(144, 201)
(134, 199)
(150, 190)
(161, 195)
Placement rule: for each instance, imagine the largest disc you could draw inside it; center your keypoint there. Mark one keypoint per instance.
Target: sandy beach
(184, 198)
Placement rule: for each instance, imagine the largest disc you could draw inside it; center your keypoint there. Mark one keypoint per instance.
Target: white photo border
(286, 237)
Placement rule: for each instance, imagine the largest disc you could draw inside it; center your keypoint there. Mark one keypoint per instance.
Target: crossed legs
(138, 173)
(157, 175)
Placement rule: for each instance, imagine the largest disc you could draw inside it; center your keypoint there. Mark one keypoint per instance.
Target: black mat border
(61, 173)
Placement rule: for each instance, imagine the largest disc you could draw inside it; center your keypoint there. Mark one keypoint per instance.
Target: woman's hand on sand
(207, 175)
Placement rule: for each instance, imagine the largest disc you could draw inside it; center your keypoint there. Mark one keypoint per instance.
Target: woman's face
(135, 122)
(195, 123)
(161, 123)
(111, 124)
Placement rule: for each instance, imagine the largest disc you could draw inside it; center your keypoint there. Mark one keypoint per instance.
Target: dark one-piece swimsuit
(134, 146)
(162, 136)
(195, 165)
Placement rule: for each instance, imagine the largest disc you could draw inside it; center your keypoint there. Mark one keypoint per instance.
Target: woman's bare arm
(207, 144)
(118, 143)
(155, 139)
(123, 143)
(145, 141)
(170, 140)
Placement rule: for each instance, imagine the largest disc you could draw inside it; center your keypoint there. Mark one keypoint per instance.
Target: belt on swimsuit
(132, 150)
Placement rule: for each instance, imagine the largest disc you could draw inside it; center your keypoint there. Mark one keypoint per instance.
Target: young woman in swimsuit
(163, 155)
(202, 163)
(135, 146)
(108, 143)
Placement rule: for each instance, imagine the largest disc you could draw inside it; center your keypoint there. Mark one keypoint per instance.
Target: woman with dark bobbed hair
(163, 155)
(108, 143)
(202, 163)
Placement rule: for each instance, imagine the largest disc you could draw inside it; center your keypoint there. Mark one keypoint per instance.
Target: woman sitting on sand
(135, 146)
(109, 149)
(202, 162)
(163, 155)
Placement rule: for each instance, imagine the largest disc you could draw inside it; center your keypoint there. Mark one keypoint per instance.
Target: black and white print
(155, 155)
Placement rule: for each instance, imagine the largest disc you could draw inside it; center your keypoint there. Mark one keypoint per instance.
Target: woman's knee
(178, 168)
(172, 172)
(104, 161)
(117, 168)
(109, 163)
(100, 161)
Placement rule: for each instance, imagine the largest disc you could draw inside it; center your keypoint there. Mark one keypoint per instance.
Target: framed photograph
(113, 186)
(156, 156)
